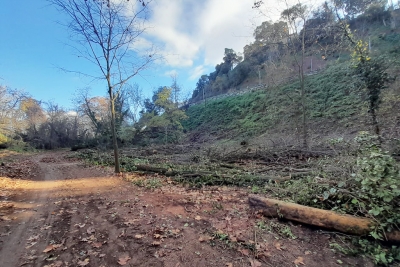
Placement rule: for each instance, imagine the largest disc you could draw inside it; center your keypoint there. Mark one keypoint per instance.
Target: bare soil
(55, 211)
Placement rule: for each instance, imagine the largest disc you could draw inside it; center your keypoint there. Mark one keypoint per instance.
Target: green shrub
(378, 179)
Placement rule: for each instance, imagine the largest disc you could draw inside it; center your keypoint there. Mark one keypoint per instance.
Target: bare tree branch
(106, 32)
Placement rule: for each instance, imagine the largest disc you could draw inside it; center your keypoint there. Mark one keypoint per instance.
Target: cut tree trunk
(317, 217)
(171, 172)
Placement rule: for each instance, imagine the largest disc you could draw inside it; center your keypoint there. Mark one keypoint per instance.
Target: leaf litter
(177, 225)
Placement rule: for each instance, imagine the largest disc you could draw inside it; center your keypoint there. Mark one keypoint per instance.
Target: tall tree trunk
(375, 125)
(304, 119)
(303, 93)
(114, 133)
(375, 122)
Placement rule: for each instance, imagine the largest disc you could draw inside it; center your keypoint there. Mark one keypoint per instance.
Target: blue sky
(190, 34)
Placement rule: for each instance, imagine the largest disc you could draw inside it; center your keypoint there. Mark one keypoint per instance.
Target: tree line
(275, 52)
(104, 32)
(46, 125)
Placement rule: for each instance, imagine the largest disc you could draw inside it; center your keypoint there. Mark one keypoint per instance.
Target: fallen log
(171, 172)
(294, 174)
(206, 177)
(317, 217)
(296, 170)
(149, 168)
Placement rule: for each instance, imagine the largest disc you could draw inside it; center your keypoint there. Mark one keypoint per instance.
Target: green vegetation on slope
(330, 96)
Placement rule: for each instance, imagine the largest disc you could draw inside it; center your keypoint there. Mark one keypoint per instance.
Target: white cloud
(72, 113)
(141, 44)
(192, 30)
(227, 24)
(171, 73)
(129, 8)
(197, 72)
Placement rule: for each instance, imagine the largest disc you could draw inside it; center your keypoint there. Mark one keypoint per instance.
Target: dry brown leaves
(51, 247)
(84, 262)
(299, 260)
(204, 238)
(255, 263)
(24, 169)
(123, 260)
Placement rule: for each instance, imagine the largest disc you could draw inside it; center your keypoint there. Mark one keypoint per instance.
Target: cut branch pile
(206, 177)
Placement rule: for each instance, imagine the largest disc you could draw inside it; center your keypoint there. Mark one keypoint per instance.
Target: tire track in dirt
(33, 229)
(13, 248)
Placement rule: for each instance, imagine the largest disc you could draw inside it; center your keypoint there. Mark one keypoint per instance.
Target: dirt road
(65, 214)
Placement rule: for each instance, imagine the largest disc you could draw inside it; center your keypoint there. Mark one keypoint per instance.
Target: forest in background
(307, 75)
(321, 130)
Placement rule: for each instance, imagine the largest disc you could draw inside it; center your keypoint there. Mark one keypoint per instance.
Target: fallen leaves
(6, 218)
(30, 245)
(262, 250)
(156, 243)
(20, 169)
(51, 248)
(232, 238)
(6, 206)
(90, 230)
(46, 227)
(299, 260)
(123, 260)
(131, 222)
(48, 249)
(204, 238)
(89, 239)
(84, 262)
(174, 232)
(33, 238)
(254, 263)
(157, 236)
(55, 264)
(278, 246)
(5, 234)
(97, 244)
(245, 252)
(160, 253)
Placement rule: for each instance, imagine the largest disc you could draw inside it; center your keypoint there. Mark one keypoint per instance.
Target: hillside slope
(335, 102)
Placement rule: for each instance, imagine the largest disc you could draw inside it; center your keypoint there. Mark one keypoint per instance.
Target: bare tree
(290, 33)
(296, 18)
(96, 109)
(11, 116)
(34, 116)
(135, 99)
(106, 32)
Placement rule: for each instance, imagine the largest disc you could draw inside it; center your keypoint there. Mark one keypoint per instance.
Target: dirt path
(71, 215)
